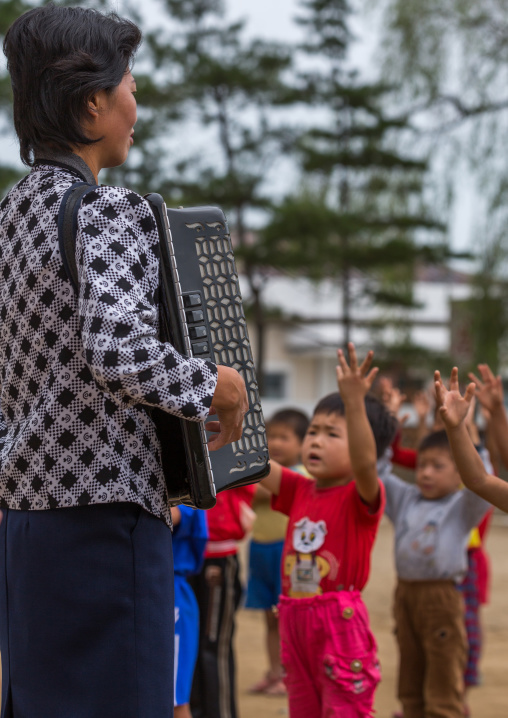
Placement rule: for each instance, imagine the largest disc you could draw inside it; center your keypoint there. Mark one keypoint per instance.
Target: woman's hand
(230, 403)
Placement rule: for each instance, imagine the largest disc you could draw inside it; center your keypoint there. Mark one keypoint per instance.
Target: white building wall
(305, 351)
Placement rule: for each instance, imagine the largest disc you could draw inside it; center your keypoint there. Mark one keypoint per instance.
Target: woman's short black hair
(383, 423)
(58, 58)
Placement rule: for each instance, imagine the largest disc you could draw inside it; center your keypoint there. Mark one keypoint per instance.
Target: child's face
(284, 445)
(436, 473)
(325, 449)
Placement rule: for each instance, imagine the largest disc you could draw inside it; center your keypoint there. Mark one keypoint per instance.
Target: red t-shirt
(227, 520)
(402, 456)
(329, 539)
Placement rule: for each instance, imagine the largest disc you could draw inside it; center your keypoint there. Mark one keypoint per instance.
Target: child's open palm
(489, 389)
(453, 407)
(354, 381)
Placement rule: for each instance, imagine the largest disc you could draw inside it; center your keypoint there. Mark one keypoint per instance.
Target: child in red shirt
(327, 648)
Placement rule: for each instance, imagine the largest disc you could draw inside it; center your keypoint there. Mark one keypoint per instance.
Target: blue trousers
(86, 613)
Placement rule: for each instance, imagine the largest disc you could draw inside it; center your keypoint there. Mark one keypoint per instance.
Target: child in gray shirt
(432, 522)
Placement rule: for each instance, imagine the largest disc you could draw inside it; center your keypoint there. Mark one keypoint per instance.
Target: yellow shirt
(474, 539)
(270, 525)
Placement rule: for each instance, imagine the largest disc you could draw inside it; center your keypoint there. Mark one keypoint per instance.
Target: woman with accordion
(86, 618)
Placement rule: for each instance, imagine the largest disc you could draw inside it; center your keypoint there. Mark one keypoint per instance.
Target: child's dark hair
(383, 423)
(59, 58)
(294, 418)
(435, 440)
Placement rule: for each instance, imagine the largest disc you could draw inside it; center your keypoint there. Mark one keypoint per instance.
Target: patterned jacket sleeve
(118, 267)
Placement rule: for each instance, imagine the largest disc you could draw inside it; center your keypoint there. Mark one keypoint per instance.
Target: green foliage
(450, 60)
(8, 177)
(326, 25)
(407, 360)
(210, 132)
(438, 49)
(209, 76)
(11, 9)
(361, 206)
(489, 322)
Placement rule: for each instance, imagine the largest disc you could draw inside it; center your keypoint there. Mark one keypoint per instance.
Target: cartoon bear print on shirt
(425, 542)
(420, 545)
(305, 568)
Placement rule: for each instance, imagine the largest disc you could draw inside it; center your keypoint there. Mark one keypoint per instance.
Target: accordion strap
(68, 225)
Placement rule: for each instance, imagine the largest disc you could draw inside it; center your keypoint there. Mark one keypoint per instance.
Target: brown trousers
(430, 629)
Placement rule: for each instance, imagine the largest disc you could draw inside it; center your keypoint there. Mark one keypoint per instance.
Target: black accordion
(201, 315)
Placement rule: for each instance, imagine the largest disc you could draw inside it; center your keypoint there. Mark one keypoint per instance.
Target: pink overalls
(329, 655)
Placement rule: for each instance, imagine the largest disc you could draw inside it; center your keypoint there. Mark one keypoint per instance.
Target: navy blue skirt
(86, 613)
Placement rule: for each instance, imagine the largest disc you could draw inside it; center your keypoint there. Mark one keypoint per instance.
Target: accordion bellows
(202, 315)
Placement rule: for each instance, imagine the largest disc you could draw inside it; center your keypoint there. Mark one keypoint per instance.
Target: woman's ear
(93, 107)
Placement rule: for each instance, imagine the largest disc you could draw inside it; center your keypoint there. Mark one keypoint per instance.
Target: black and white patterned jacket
(77, 374)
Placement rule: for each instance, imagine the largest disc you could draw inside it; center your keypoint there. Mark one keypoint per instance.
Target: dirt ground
(490, 700)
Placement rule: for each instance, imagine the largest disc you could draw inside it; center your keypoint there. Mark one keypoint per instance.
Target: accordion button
(200, 348)
(195, 316)
(197, 332)
(192, 300)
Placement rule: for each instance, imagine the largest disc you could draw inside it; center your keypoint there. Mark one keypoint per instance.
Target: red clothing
(322, 638)
(329, 539)
(227, 521)
(482, 560)
(401, 456)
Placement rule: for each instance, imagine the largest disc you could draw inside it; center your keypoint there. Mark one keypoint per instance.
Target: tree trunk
(344, 199)
(257, 306)
(346, 300)
(260, 326)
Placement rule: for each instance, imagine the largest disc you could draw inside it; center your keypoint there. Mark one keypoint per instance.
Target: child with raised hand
(423, 554)
(432, 520)
(285, 433)
(453, 408)
(328, 651)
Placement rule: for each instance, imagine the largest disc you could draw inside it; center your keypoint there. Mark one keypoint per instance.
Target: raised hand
(397, 398)
(385, 389)
(453, 407)
(354, 380)
(422, 406)
(488, 389)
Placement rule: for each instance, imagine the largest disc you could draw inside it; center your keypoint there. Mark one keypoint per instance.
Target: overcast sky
(274, 19)
(268, 18)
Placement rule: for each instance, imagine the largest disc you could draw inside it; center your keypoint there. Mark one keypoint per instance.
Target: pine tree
(361, 203)
(205, 133)
(225, 86)
(9, 11)
(450, 64)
